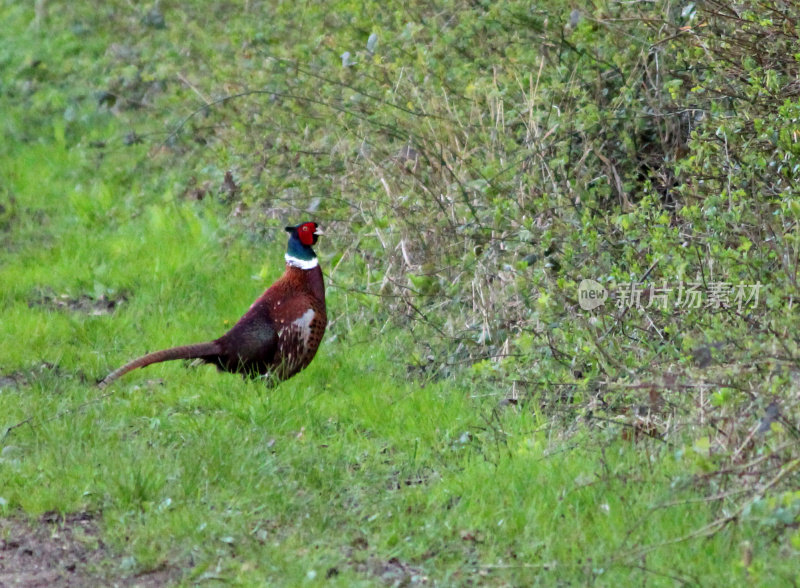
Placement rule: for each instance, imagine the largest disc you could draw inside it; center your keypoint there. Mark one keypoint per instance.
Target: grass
(362, 470)
(350, 466)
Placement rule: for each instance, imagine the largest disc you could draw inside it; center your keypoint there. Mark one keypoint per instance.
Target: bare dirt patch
(391, 572)
(41, 372)
(26, 377)
(91, 305)
(65, 551)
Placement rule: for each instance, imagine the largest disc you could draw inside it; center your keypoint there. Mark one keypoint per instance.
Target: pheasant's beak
(318, 231)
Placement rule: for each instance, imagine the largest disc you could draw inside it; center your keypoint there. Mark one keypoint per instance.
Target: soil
(91, 305)
(65, 551)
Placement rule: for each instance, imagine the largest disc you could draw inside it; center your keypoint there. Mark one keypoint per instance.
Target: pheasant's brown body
(281, 332)
(277, 337)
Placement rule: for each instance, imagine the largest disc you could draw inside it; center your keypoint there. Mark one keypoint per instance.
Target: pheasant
(278, 336)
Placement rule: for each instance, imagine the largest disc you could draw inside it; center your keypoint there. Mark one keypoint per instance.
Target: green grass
(363, 469)
(345, 467)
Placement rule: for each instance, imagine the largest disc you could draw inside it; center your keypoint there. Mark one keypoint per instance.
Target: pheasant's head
(307, 233)
(301, 238)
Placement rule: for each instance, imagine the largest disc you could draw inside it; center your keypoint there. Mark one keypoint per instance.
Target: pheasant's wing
(250, 346)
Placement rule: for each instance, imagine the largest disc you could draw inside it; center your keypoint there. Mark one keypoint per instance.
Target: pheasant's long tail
(205, 351)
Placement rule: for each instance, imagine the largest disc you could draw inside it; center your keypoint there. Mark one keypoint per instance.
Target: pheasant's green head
(299, 252)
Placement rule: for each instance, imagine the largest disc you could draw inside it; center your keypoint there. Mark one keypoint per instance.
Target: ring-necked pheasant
(281, 332)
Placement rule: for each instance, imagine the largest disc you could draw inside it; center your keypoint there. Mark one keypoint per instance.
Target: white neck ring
(304, 264)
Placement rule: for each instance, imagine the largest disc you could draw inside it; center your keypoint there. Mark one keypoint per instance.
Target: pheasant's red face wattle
(306, 233)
